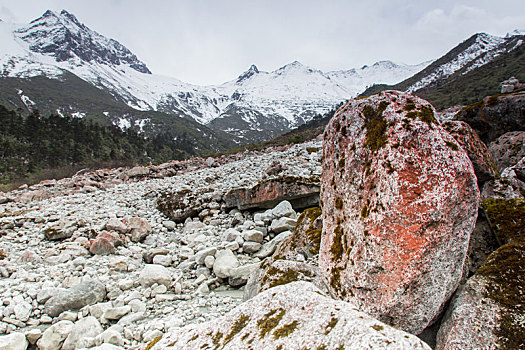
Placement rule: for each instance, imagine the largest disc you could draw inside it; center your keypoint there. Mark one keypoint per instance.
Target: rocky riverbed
(99, 263)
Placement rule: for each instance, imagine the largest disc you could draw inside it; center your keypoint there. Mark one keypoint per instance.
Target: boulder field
(375, 237)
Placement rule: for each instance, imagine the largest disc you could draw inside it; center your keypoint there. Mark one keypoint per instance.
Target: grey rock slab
(270, 247)
(116, 313)
(253, 236)
(76, 297)
(240, 275)
(283, 209)
(201, 255)
(251, 247)
(283, 224)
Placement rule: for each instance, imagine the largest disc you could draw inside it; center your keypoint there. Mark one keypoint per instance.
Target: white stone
(13, 341)
(33, 335)
(202, 254)
(164, 260)
(225, 260)
(283, 224)
(110, 336)
(87, 327)
(284, 209)
(137, 305)
(116, 313)
(54, 336)
(251, 247)
(23, 311)
(253, 236)
(152, 273)
(209, 261)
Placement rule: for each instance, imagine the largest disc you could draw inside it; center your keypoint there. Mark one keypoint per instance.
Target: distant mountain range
(58, 65)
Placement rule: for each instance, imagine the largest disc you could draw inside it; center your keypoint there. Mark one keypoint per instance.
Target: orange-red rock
(399, 200)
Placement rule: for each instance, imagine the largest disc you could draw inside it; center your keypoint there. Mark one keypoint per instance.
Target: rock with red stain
(105, 243)
(301, 192)
(484, 165)
(399, 200)
(139, 229)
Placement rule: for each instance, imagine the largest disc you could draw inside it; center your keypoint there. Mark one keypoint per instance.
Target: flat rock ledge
(292, 316)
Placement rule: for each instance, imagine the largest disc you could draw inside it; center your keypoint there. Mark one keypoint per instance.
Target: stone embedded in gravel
(225, 260)
(13, 341)
(87, 327)
(116, 313)
(115, 224)
(201, 255)
(251, 247)
(59, 231)
(76, 297)
(150, 254)
(101, 245)
(283, 209)
(283, 224)
(239, 275)
(54, 336)
(400, 201)
(33, 335)
(152, 273)
(164, 260)
(253, 236)
(139, 229)
(293, 316)
(23, 311)
(209, 261)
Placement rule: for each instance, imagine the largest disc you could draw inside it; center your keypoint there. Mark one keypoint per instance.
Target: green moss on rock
(238, 326)
(270, 321)
(285, 330)
(505, 271)
(376, 126)
(506, 217)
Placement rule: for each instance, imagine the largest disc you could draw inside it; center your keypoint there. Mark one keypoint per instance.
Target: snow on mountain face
(284, 98)
(481, 51)
(64, 37)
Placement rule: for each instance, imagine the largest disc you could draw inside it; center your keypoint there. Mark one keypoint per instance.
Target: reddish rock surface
(399, 200)
(484, 165)
(300, 192)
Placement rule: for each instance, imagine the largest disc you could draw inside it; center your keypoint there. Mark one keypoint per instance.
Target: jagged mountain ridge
(465, 67)
(256, 103)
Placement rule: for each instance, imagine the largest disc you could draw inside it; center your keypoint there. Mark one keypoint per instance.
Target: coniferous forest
(36, 147)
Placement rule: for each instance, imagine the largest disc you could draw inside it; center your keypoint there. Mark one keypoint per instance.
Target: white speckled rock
(293, 316)
(400, 200)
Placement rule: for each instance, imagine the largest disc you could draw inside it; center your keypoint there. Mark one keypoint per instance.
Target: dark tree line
(32, 144)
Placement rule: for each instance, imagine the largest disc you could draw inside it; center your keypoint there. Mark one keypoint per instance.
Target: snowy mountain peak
(515, 32)
(63, 37)
(249, 73)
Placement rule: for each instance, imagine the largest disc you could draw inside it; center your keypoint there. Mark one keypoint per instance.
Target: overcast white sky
(213, 41)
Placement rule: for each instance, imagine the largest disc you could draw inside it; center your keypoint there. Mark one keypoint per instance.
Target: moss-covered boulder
(488, 312)
(506, 217)
(399, 198)
(306, 237)
(292, 316)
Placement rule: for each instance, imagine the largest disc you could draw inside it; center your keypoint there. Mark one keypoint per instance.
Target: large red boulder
(399, 200)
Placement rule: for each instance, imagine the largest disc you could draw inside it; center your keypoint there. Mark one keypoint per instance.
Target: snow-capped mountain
(254, 106)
